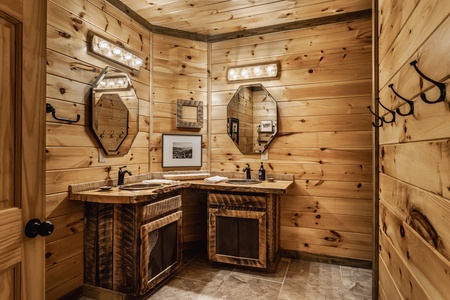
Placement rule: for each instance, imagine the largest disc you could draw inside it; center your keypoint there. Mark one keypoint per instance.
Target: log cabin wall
(414, 155)
(324, 131)
(72, 150)
(179, 71)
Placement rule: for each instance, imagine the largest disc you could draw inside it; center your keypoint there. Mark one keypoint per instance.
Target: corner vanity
(133, 238)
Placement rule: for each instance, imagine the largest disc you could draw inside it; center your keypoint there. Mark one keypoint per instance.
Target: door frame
(31, 16)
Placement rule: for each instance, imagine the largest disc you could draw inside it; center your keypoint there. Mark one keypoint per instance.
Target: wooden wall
(179, 71)
(324, 131)
(72, 151)
(414, 156)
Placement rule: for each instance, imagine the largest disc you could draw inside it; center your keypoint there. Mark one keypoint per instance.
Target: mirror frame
(127, 94)
(262, 133)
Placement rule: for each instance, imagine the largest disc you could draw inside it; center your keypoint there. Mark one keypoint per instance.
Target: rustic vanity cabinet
(129, 248)
(243, 229)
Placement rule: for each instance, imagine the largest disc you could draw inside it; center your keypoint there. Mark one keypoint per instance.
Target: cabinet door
(237, 237)
(160, 249)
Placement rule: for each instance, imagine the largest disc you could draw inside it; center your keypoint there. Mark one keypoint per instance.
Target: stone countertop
(91, 192)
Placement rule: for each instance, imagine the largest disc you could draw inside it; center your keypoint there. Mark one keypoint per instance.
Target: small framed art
(181, 150)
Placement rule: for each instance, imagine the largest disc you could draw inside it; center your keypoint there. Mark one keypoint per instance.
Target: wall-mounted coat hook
(440, 85)
(390, 111)
(410, 103)
(377, 118)
(51, 108)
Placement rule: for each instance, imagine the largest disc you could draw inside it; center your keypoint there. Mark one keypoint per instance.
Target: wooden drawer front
(161, 207)
(241, 200)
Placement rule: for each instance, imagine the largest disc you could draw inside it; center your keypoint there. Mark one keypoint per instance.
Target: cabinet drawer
(161, 207)
(241, 200)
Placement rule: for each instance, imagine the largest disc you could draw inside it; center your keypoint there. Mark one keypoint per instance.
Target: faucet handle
(120, 168)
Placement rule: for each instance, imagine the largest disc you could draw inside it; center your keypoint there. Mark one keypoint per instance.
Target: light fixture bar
(115, 53)
(256, 71)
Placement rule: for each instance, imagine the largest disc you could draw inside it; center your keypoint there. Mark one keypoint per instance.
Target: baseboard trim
(350, 262)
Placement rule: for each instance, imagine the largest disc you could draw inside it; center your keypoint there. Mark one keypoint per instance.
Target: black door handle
(35, 227)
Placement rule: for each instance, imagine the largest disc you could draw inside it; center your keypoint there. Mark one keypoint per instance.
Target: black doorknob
(35, 227)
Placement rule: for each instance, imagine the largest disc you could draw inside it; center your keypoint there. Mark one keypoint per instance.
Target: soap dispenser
(262, 173)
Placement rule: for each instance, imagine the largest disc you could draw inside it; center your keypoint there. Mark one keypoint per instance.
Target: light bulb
(257, 71)
(102, 83)
(138, 62)
(117, 51)
(244, 73)
(128, 56)
(103, 45)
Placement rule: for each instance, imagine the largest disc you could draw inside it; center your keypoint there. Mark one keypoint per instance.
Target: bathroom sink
(139, 186)
(243, 181)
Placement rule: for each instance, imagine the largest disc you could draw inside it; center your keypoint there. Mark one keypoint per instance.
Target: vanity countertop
(93, 193)
(275, 187)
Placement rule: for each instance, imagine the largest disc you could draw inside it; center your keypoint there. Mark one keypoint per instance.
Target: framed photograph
(266, 126)
(179, 150)
(233, 129)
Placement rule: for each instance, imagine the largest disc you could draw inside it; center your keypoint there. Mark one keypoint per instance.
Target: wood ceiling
(221, 19)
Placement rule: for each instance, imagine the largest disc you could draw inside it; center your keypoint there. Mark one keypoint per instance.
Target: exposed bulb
(139, 62)
(117, 51)
(103, 45)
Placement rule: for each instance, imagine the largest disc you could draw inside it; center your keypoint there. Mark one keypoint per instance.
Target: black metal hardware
(51, 108)
(35, 227)
(247, 170)
(378, 118)
(410, 103)
(121, 175)
(440, 85)
(390, 111)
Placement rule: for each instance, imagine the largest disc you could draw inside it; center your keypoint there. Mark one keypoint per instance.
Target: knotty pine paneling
(72, 151)
(324, 132)
(179, 71)
(414, 175)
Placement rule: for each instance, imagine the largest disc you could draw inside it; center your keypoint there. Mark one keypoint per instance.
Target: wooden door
(22, 146)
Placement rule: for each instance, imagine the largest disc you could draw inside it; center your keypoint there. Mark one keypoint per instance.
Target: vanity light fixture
(114, 52)
(255, 71)
(114, 83)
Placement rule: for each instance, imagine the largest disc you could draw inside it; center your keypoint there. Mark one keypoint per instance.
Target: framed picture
(180, 150)
(233, 129)
(266, 126)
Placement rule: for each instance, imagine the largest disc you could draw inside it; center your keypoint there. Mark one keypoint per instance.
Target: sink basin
(139, 186)
(243, 181)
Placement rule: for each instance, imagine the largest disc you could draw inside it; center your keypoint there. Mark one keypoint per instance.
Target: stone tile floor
(294, 280)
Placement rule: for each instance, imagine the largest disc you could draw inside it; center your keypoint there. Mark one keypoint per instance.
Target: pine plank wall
(414, 155)
(325, 133)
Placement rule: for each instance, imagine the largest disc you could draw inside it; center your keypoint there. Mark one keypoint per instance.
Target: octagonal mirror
(115, 111)
(252, 118)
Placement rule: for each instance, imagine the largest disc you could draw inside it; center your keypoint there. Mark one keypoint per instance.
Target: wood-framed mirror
(115, 111)
(252, 118)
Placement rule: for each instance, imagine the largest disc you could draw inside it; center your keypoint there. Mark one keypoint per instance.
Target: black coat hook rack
(410, 103)
(440, 85)
(51, 108)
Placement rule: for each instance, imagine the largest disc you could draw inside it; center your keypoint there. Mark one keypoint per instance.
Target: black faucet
(121, 176)
(247, 170)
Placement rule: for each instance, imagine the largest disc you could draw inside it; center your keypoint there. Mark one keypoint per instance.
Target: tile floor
(294, 280)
